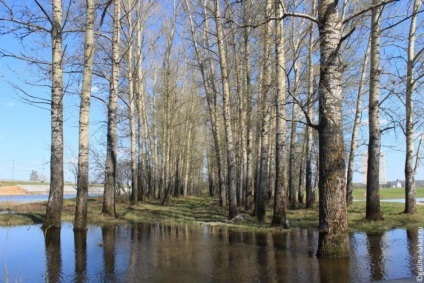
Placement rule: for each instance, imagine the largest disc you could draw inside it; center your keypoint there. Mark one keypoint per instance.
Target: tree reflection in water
(53, 254)
(108, 234)
(375, 251)
(162, 253)
(80, 240)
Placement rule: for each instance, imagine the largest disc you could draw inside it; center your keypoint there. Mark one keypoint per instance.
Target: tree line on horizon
(256, 102)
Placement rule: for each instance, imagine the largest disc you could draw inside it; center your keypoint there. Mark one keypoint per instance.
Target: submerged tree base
(333, 246)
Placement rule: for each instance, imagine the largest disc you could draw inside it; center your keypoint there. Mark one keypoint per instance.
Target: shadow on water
(36, 218)
(161, 253)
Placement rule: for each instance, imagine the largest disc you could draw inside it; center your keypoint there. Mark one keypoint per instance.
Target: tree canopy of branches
(252, 102)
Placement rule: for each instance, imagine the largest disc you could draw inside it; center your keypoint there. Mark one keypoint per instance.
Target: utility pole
(13, 169)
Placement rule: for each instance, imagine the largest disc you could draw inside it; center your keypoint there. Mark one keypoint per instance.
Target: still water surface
(159, 253)
(36, 198)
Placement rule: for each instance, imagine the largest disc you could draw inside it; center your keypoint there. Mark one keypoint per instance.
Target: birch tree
(32, 25)
(232, 198)
(374, 147)
(310, 196)
(410, 169)
(131, 29)
(333, 228)
(248, 112)
(80, 222)
(280, 198)
(263, 182)
(137, 191)
(111, 150)
(55, 201)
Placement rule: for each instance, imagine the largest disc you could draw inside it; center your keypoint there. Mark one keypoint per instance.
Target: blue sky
(25, 129)
(24, 136)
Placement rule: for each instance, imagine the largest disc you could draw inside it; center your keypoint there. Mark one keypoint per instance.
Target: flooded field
(159, 253)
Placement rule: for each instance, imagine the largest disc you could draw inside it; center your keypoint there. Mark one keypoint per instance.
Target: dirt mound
(12, 190)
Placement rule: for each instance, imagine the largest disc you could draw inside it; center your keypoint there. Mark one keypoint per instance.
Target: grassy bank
(205, 211)
(387, 193)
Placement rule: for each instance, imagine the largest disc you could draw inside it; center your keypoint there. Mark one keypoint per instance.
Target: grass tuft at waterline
(206, 211)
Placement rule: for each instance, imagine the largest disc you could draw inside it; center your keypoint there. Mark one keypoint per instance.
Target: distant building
(398, 184)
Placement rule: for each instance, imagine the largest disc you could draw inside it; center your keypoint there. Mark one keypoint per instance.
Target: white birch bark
(333, 228)
(111, 151)
(373, 211)
(55, 201)
(410, 169)
(280, 197)
(233, 211)
(132, 102)
(265, 109)
(80, 222)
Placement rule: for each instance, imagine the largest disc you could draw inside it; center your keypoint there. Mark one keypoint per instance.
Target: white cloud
(9, 104)
(95, 89)
(73, 160)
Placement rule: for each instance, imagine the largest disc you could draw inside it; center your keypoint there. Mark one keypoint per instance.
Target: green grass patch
(387, 193)
(206, 211)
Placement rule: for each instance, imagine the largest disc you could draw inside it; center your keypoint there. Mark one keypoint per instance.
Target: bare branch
(357, 14)
(44, 12)
(417, 158)
(401, 21)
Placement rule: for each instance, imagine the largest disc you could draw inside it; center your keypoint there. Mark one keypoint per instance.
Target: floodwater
(159, 253)
(35, 198)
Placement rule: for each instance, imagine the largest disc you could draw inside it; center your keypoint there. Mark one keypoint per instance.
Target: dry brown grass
(12, 190)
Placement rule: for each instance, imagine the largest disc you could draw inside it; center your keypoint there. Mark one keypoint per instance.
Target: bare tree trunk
(232, 198)
(137, 191)
(242, 150)
(354, 142)
(187, 147)
(271, 152)
(333, 228)
(156, 188)
(280, 198)
(301, 174)
(80, 222)
(132, 100)
(55, 201)
(410, 192)
(111, 156)
(292, 157)
(373, 172)
(248, 81)
(212, 102)
(263, 183)
(310, 196)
